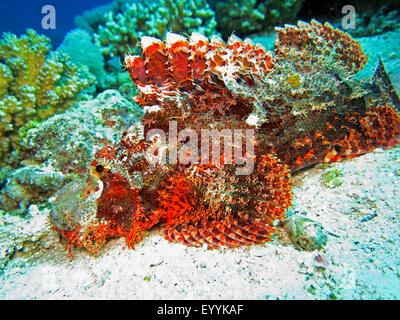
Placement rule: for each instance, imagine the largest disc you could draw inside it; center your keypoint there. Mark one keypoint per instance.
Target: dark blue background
(18, 15)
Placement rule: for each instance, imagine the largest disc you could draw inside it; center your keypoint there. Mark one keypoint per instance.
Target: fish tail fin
(383, 85)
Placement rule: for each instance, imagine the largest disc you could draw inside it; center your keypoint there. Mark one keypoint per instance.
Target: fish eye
(99, 168)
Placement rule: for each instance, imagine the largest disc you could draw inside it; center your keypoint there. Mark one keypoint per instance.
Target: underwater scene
(200, 149)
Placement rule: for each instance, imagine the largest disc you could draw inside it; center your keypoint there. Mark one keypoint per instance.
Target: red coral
(298, 101)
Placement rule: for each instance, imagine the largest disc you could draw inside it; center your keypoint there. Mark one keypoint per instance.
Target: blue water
(18, 15)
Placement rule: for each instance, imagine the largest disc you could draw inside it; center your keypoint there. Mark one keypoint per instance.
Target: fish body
(284, 111)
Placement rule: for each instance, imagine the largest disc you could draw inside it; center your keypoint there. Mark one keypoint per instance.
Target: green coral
(374, 22)
(91, 19)
(187, 16)
(244, 17)
(121, 32)
(240, 17)
(34, 84)
(79, 46)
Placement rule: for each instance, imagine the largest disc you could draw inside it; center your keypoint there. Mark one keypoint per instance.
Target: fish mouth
(76, 204)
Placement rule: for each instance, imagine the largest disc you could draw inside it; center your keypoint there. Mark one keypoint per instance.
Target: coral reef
(121, 32)
(300, 102)
(245, 17)
(79, 46)
(376, 22)
(240, 17)
(371, 17)
(68, 141)
(59, 150)
(34, 84)
(91, 18)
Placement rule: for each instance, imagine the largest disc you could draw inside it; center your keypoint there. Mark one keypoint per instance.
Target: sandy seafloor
(361, 262)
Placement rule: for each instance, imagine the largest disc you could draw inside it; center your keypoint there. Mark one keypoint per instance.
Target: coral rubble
(300, 101)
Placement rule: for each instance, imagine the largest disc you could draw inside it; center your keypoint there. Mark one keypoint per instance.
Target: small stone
(320, 261)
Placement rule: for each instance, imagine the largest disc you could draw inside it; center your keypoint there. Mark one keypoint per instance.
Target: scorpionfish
(295, 107)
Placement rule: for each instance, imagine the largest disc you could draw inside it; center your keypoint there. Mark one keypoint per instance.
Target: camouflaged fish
(301, 102)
